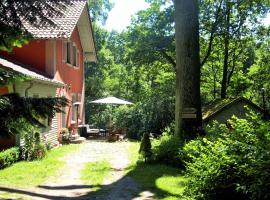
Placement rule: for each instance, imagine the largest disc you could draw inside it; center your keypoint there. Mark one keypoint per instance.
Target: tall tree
(226, 28)
(187, 69)
(99, 10)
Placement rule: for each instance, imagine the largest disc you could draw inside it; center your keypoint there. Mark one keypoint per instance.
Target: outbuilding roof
(219, 105)
(5, 64)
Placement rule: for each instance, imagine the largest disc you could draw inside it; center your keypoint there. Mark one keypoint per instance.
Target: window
(73, 111)
(74, 52)
(70, 54)
(77, 59)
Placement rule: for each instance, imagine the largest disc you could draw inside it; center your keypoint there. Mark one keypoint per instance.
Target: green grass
(25, 174)
(165, 182)
(133, 154)
(94, 173)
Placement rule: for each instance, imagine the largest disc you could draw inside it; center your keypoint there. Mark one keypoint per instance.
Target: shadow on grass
(158, 181)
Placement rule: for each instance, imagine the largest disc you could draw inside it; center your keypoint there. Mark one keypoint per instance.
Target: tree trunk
(226, 55)
(187, 69)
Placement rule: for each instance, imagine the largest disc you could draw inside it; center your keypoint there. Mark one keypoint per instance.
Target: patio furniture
(117, 135)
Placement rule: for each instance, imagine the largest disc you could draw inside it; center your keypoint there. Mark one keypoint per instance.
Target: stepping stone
(77, 140)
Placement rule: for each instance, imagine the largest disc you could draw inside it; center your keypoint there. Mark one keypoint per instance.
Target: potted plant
(65, 134)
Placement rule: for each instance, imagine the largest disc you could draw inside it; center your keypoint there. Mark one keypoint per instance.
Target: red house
(55, 60)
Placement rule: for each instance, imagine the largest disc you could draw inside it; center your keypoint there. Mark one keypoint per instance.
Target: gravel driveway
(67, 183)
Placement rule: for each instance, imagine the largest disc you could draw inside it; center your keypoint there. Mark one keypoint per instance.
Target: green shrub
(40, 151)
(65, 134)
(234, 165)
(32, 148)
(9, 156)
(166, 150)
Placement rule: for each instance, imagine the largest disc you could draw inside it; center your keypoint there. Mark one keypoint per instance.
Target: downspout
(28, 88)
(14, 87)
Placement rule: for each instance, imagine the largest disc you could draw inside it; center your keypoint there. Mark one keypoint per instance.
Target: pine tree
(145, 148)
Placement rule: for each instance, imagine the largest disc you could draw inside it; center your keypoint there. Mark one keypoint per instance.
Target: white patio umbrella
(112, 100)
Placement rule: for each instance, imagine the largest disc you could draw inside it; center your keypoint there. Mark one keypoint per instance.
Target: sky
(120, 16)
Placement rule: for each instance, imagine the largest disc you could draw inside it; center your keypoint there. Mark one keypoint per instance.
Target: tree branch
(168, 57)
(213, 30)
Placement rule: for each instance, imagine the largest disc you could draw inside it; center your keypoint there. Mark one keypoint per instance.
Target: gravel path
(67, 183)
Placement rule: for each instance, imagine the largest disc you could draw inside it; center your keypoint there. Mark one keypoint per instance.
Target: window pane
(73, 111)
(74, 56)
(68, 52)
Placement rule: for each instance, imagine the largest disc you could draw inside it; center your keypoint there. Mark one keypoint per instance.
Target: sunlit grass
(173, 185)
(94, 173)
(133, 154)
(26, 174)
(165, 182)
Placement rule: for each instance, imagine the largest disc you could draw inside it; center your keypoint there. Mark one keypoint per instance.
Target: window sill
(72, 66)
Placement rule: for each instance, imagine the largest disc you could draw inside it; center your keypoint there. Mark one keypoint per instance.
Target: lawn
(24, 174)
(94, 173)
(165, 182)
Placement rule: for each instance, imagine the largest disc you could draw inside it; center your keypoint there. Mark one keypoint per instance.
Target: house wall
(237, 109)
(73, 77)
(47, 56)
(3, 90)
(31, 54)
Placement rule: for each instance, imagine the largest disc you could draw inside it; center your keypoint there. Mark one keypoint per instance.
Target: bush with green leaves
(166, 149)
(131, 118)
(233, 165)
(9, 156)
(31, 146)
(150, 115)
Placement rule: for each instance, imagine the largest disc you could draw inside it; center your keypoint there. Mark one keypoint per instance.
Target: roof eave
(85, 30)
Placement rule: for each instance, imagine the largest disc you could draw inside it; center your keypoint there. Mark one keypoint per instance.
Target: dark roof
(64, 24)
(219, 105)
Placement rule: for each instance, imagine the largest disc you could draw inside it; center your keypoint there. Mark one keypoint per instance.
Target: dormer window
(71, 54)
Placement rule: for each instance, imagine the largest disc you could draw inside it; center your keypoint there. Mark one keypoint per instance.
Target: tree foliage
(230, 163)
(99, 10)
(138, 64)
(14, 108)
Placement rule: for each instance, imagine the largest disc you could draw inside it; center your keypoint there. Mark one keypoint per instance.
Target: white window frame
(71, 54)
(63, 117)
(73, 108)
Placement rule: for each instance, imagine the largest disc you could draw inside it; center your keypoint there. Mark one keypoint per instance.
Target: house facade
(54, 60)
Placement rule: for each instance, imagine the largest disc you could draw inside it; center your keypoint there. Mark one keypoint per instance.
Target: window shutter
(64, 52)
